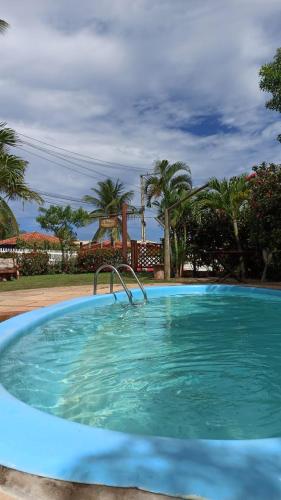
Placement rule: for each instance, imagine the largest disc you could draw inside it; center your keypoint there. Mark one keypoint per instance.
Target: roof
(30, 238)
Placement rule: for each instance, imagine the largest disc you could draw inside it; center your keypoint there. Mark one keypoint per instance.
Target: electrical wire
(57, 163)
(61, 157)
(63, 197)
(71, 168)
(94, 159)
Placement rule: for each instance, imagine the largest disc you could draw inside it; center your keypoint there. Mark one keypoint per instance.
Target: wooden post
(124, 233)
(167, 250)
(134, 254)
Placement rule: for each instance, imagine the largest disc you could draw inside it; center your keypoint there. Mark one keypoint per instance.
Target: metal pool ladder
(115, 270)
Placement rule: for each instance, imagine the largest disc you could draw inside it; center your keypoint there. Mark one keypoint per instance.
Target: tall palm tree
(228, 197)
(108, 200)
(12, 183)
(167, 183)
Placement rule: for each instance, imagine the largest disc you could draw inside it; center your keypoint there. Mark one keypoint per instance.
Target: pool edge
(69, 451)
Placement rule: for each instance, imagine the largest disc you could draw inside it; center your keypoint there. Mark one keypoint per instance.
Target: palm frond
(12, 184)
(8, 222)
(108, 200)
(8, 137)
(3, 26)
(167, 183)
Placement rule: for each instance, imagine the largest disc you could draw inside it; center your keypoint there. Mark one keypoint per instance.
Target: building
(30, 239)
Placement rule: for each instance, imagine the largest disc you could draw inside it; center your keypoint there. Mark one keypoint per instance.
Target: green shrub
(90, 260)
(8, 255)
(69, 267)
(33, 263)
(37, 245)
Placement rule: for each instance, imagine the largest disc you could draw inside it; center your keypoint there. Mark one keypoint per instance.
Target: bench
(8, 269)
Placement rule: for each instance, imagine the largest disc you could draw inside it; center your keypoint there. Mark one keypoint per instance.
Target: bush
(90, 260)
(69, 267)
(37, 245)
(33, 263)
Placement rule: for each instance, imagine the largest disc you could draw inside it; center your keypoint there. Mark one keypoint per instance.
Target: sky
(132, 82)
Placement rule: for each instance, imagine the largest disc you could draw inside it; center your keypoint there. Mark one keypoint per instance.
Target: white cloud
(125, 80)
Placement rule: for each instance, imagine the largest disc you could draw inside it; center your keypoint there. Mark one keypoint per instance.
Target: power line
(61, 157)
(63, 197)
(57, 163)
(72, 199)
(67, 161)
(94, 159)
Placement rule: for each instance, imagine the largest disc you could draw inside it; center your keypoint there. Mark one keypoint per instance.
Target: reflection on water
(201, 366)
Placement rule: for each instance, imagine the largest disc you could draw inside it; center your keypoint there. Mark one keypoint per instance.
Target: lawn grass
(53, 280)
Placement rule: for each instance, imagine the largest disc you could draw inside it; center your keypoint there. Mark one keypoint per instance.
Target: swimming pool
(179, 396)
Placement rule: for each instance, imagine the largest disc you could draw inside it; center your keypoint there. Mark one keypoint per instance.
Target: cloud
(133, 82)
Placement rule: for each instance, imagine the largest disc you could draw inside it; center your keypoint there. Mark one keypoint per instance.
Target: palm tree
(228, 197)
(12, 172)
(108, 200)
(168, 184)
(12, 183)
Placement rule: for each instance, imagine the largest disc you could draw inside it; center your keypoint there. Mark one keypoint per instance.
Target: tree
(265, 211)
(168, 183)
(62, 221)
(228, 197)
(12, 182)
(108, 200)
(12, 173)
(271, 82)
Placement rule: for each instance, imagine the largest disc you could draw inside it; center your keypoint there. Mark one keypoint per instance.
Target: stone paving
(16, 485)
(19, 301)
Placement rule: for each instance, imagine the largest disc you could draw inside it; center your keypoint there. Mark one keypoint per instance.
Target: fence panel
(145, 255)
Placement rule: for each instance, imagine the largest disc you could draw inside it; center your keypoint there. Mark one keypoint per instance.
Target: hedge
(33, 263)
(87, 261)
(90, 260)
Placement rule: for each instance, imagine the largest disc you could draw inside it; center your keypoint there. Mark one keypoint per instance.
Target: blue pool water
(187, 366)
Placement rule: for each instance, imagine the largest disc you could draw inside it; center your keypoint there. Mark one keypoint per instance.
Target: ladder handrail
(126, 266)
(113, 270)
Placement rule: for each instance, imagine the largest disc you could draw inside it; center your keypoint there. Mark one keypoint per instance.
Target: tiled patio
(20, 301)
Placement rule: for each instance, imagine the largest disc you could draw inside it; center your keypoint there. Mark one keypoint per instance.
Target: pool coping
(39, 443)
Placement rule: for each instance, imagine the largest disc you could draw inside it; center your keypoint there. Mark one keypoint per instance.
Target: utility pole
(143, 223)
(143, 177)
(124, 233)
(167, 245)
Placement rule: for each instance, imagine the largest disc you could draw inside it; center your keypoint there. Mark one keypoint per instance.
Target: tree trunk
(183, 253)
(239, 247)
(176, 254)
(267, 258)
(62, 256)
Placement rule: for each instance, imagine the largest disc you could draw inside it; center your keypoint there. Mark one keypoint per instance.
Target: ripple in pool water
(196, 366)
